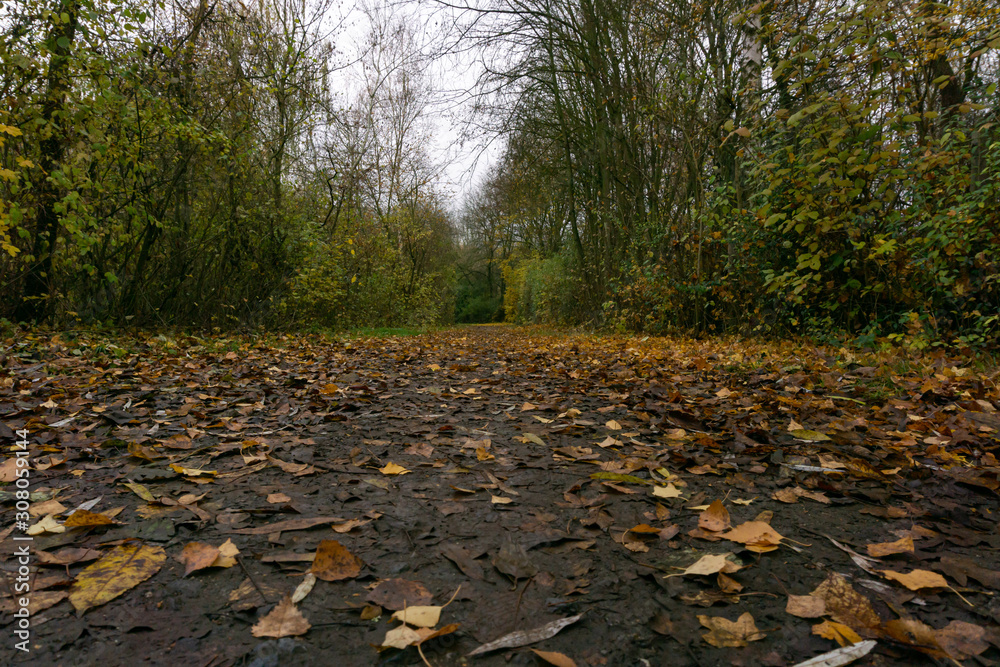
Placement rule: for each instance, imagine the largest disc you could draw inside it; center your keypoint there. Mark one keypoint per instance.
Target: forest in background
(813, 167)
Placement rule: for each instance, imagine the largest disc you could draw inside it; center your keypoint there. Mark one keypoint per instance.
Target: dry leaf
(333, 562)
(420, 616)
(710, 564)
(917, 579)
(553, 658)
(668, 491)
(391, 468)
(523, 638)
(278, 498)
(401, 637)
(198, 556)
(724, 633)
(120, 570)
(304, 588)
(845, 605)
(900, 546)
(838, 632)
(83, 518)
(805, 606)
(283, 621)
(757, 536)
(715, 518)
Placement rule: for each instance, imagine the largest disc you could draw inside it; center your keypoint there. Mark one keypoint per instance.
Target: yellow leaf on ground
(838, 632)
(391, 468)
(917, 579)
(613, 425)
(900, 546)
(420, 616)
(283, 621)
(227, 555)
(120, 570)
(668, 491)
(757, 536)
(83, 518)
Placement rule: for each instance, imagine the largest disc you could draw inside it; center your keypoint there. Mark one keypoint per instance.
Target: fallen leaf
(333, 562)
(917, 579)
(838, 632)
(710, 564)
(553, 658)
(900, 546)
(278, 498)
(845, 605)
(391, 468)
(283, 621)
(668, 491)
(724, 633)
(46, 525)
(290, 524)
(715, 518)
(401, 637)
(757, 536)
(805, 606)
(304, 588)
(198, 556)
(419, 615)
(120, 570)
(525, 637)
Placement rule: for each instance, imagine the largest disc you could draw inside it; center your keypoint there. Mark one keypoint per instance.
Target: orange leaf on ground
(917, 579)
(838, 632)
(900, 546)
(553, 658)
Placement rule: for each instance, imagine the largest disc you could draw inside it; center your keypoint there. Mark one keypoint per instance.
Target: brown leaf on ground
(283, 621)
(553, 658)
(806, 606)
(845, 605)
(724, 633)
(197, 556)
(333, 562)
(715, 518)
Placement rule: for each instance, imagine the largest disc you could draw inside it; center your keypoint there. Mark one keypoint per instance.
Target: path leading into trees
(612, 501)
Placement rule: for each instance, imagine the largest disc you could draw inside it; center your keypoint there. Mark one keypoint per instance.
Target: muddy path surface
(674, 502)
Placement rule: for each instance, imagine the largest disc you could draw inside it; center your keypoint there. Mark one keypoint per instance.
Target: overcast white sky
(463, 159)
